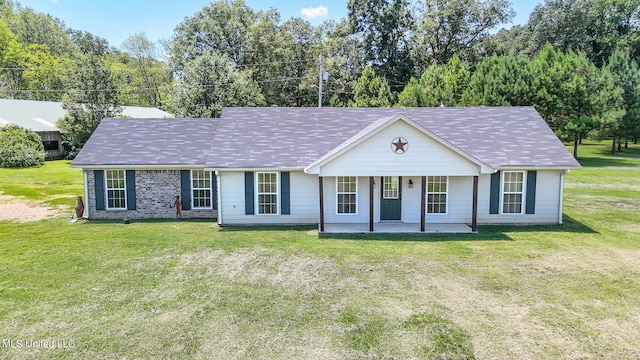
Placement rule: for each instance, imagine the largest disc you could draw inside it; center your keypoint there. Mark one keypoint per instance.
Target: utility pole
(320, 83)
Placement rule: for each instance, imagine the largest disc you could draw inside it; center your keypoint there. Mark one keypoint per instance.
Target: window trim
(193, 189)
(349, 192)
(446, 193)
(258, 193)
(107, 188)
(523, 192)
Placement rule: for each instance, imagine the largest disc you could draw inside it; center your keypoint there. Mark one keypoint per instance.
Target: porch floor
(397, 228)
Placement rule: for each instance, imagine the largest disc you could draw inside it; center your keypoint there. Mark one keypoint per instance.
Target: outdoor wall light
(410, 184)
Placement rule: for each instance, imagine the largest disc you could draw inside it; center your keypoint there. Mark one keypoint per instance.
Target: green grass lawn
(189, 290)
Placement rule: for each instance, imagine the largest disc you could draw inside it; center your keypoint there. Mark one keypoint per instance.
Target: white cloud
(315, 12)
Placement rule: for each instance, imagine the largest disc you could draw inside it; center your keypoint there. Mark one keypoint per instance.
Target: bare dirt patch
(14, 208)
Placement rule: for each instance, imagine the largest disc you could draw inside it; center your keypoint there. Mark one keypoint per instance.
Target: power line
(76, 69)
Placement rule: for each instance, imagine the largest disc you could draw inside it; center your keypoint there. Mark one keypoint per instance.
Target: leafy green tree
(344, 59)
(371, 91)
(20, 147)
(90, 44)
(42, 75)
(438, 85)
(268, 56)
(299, 76)
(626, 75)
(94, 96)
(574, 96)
(595, 27)
(448, 27)
(11, 53)
(222, 26)
(33, 28)
(386, 26)
(31, 71)
(147, 76)
(211, 82)
(500, 81)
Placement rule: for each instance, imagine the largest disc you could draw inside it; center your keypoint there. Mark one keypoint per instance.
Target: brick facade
(155, 190)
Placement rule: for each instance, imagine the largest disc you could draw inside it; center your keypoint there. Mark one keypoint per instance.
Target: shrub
(20, 147)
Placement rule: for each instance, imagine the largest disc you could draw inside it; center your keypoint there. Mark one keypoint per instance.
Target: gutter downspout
(219, 197)
(561, 207)
(86, 193)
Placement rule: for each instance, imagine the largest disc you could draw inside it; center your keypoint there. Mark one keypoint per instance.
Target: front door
(391, 202)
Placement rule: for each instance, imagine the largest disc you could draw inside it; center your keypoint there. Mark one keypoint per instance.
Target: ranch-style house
(442, 169)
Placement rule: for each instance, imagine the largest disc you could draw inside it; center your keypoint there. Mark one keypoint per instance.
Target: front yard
(189, 290)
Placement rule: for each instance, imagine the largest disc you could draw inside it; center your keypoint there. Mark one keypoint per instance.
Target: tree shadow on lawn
(625, 158)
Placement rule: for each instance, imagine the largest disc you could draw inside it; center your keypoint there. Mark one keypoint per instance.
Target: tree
(211, 82)
(626, 75)
(149, 74)
(90, 44)
(34, 28)
(371, 91)
(448, 27)
(386, 26)
(344, 59)
(438, 85)
(574, 96)
(500, 81)
(595, 27)
(301, 46)
(222, 26)
(93, 97)
(20, 147)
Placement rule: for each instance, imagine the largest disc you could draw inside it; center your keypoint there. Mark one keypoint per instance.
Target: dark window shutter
(494, 200)
(531, 191)
(285, 185)
(131, 189)
(98, 178)
(248, 193)
(214, 190)
(185, 189)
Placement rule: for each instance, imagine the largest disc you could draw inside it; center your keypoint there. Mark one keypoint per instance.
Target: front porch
(386, 208)
(397, 228)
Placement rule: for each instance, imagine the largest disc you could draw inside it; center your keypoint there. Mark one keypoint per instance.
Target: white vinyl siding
(347, 195)
(513, 188)
(115, 187)
(437, 187)
(201, 189)
(267, 183)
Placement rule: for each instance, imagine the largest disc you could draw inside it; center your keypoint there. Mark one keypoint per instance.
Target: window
(391, 187)
(437, 195)
(201, 189)
(347, 192)
(51, 145)
(267, 193)
(512, 192)
(116, 190)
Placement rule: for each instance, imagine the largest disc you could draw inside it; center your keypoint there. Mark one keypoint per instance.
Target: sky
(116, 20)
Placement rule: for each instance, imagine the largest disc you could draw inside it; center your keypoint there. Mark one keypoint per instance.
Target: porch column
(423, 205)
(474, 206)
(321, 192)
(371, 182)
